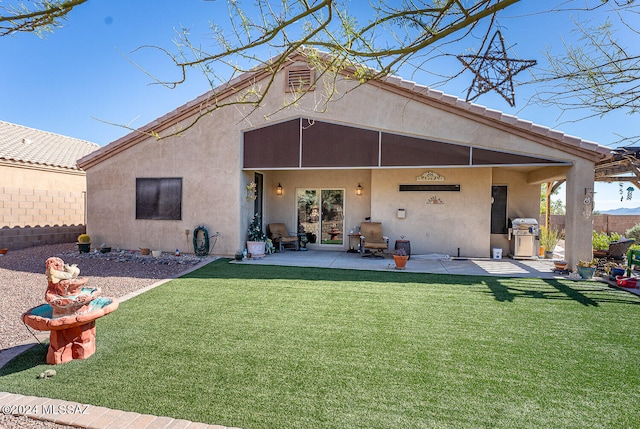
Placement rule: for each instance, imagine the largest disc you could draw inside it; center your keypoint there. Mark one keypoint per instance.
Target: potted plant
(549, 237)
(84, 243)
(614, 269)
(601, 242)
(587, 269)
(256, 238)
(400, 257)
(303, 238)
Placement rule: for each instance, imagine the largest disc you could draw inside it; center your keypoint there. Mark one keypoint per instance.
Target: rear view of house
(443, 173)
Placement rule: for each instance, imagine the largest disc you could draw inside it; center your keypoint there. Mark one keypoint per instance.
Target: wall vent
(299, 79)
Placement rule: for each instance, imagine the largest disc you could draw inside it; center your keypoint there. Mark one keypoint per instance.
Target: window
(159, 198)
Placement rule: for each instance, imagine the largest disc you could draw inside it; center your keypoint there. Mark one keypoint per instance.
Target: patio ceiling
(307, 144)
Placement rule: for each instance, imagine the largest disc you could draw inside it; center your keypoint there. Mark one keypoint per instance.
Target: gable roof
(30, 146)
(508, 123)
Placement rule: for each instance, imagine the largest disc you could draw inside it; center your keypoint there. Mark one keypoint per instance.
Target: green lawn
(282, 347)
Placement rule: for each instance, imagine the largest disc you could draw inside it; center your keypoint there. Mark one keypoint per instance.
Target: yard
(283, 347)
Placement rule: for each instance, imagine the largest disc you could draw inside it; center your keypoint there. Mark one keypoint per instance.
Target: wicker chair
(615, 253)
(281, 237)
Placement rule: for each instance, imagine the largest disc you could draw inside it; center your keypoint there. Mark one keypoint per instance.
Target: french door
(321, 215)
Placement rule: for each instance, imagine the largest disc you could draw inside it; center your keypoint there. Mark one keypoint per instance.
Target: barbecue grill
(523, 233)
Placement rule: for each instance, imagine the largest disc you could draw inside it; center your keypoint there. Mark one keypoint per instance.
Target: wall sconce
(359, 189)
(279, 189)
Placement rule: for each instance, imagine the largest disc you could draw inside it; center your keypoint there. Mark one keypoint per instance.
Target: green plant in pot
(256, 238)
(400, 257)
(614, 269)
(549, 238)
(84, 243)
(587, 269)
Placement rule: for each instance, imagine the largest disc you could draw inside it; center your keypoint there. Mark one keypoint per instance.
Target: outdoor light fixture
(279, 189)
(359, 189)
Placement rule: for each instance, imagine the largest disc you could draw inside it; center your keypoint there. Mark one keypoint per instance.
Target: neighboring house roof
(30, 146)
(539, 133)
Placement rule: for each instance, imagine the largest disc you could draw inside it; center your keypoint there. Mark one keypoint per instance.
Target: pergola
(622, 166)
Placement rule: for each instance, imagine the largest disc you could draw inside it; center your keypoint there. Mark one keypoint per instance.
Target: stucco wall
(208, 157)
(36, 196)
(462, 221)
(579, 218)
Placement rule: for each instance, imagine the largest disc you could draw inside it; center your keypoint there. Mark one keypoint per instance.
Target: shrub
(601, 241)
(633, 232)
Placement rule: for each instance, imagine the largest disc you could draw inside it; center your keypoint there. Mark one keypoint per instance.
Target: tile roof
(28, 145)
(512, 121)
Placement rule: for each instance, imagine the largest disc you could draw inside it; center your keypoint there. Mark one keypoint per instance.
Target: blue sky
(63, 82)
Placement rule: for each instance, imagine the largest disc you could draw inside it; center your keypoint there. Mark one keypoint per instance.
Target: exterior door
(258, 179)
(498, 209)
(321, 215)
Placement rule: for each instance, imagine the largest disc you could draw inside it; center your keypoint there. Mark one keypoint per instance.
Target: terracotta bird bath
(70, 313)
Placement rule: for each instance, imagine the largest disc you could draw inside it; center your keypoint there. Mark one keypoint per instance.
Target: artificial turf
(282, 347)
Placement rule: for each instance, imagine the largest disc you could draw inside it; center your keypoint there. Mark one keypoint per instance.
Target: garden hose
(203, 248)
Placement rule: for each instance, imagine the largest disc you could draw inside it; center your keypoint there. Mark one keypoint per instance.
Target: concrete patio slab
(541, 268)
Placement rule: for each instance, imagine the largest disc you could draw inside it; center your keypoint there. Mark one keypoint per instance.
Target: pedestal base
(78, 342)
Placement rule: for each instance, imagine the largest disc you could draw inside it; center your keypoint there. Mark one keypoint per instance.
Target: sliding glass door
(321, 215)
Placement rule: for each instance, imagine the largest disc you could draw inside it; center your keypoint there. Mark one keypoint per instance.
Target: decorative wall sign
(435, 200)
(430, 176)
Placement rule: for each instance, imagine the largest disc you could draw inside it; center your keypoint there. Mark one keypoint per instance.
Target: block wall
(606, 223)
(23, 207)
(21, 238)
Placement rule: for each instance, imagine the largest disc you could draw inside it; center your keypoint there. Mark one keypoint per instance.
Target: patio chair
(281, 237)
(372, 242)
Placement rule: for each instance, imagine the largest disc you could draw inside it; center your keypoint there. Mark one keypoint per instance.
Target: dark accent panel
(332, 145)
(275, 146)
(400, 150)
(428, 188)
(498, 210)
(492, 157)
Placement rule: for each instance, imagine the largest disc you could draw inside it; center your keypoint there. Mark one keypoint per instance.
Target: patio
(505, 267)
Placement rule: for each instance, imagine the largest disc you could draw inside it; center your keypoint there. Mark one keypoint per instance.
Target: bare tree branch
(398, 32)
(599, 74)
(34, 16)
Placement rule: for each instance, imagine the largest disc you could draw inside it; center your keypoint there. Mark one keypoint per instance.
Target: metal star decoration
(494, 70)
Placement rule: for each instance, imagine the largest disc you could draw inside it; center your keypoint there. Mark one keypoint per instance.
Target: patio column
(579, 217)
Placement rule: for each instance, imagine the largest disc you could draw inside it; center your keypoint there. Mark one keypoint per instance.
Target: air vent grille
(299, 78)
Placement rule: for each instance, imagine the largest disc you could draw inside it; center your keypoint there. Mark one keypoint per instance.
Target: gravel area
(23, 283)
(21, 422)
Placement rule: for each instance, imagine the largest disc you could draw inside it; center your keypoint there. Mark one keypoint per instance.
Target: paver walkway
(89, 416)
